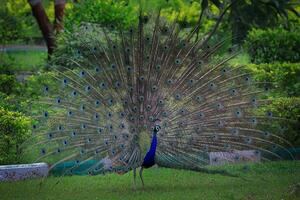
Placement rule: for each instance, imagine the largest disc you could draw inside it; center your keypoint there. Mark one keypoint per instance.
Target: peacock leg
(134, 178)
(141, 175)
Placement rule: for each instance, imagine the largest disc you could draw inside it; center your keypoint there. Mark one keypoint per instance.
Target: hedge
(288, 109)
(285, 95)
(285, 77)
(273, 45)
(14, 130)
(8, 83)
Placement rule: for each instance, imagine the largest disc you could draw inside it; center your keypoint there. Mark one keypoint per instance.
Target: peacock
(121, 100)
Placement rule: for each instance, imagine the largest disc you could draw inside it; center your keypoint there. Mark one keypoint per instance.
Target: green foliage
(285, 96)
(186, 14)
(21, 96)
(247, 14)
(10, 102)
(7, 83)
(33, 88)
(10, 27)
(285, 77)
(288, 109)
(29, 92)
(271, 45)
(16, 96)
(5, 65)
(101, 12)
(124, 14)
(17, 99)
(14, 130)
(16, 22)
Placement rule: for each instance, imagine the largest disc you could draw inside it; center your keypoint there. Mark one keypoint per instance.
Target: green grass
(24, 60)
(270, 181)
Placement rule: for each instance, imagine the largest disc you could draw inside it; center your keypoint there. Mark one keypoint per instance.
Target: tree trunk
(45, 26)
(59, 9)
(238, 28)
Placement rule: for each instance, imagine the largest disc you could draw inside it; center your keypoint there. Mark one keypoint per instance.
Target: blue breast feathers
(149, 159)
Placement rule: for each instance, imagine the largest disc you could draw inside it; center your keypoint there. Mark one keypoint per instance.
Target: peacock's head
(157, 128)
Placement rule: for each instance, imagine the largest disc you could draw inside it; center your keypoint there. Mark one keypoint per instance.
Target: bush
(285, 77)
(16, 22)
(14, 130)
(34, 85)
(286, 81)
(271, 45)
(23, 97)
(11, 27)
(101, 12)
(125, 13)
(287, 108)
(6, 64)
(8, 83)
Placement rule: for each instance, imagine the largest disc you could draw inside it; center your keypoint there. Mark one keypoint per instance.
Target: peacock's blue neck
(149, 159)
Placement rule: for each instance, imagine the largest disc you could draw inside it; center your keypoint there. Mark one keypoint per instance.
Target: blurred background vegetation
(267, 32)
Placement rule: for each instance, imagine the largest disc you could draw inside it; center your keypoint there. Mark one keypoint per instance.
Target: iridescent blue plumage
(149, 159)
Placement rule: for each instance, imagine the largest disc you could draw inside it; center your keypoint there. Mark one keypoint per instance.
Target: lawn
(279, 180)
(24, 60)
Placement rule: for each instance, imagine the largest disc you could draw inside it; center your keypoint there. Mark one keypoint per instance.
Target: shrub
(271, 45)
(101, 12)
(125, 13)
(6, 64)
(286, 81)
(8, 102)
(11, 26)
(7, 83)
(22, 97)
(285, 77)
(287, 108)
(16, 22)
(14, 130)
(34, 85)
